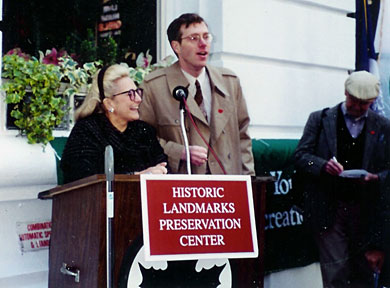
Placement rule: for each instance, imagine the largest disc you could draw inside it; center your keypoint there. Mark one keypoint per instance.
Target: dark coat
(319, 144)
(135, 149)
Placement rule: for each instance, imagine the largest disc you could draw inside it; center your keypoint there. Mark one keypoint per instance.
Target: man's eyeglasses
(132, 93)
(195, 38)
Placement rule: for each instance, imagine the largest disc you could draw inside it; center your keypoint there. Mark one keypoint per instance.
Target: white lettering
(198, 192)
(283, 219)
(200, 224)
(202, 240)
(199, 208)
(282, 186)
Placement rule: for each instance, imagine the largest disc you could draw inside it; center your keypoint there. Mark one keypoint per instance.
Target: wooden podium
(78, 239)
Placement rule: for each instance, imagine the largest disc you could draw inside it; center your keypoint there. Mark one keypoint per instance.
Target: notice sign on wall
(34, 235)
(197, 217)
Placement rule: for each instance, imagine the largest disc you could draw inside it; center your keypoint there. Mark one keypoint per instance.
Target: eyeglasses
(132, 93)
(195, 38)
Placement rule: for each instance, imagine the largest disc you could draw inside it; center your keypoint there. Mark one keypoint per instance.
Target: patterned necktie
(198, 95)
(199, 99)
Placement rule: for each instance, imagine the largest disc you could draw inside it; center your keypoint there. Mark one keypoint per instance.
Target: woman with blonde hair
(109, 116)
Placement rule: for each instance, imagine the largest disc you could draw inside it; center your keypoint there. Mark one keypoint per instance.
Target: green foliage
(108, 51)
(144, 66)
(76, 77)
(88, 48)
(38, 112)
(32, 87)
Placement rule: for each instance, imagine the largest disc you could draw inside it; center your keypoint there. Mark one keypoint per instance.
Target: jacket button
(177, 121)
(229, 156)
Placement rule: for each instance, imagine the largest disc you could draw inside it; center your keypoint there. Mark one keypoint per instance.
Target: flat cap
(362, 85)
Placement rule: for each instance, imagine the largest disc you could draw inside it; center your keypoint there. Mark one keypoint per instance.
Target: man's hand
(333, 167)
(375, 259)
(198, 155)
(371, 177)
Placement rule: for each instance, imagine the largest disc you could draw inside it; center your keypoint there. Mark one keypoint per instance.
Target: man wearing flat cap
(344, 155)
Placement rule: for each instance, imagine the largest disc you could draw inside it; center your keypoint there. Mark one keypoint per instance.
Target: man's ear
(176, 46)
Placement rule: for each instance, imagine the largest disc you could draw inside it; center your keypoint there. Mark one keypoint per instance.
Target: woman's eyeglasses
(132, 93)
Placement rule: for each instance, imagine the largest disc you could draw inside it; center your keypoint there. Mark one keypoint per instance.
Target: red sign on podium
(198, 217)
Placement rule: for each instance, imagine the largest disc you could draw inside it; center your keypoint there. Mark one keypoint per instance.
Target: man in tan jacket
(221, 113)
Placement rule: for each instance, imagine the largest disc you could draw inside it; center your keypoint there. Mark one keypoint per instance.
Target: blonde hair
(92, 102)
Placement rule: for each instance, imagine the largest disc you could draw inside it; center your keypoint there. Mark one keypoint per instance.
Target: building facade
(292, 57)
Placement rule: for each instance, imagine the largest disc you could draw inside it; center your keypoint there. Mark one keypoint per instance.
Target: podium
(77, 256)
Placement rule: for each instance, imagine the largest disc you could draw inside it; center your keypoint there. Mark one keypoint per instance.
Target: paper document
(354, 173)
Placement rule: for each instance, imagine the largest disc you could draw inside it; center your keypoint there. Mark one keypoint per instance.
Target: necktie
(199, 98)
(198, 95)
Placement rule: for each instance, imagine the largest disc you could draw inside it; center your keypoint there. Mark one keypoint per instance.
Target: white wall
(25, 170)
(17, 269)
(292, 56)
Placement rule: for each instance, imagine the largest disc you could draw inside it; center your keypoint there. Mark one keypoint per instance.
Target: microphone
(109, 163)
(180, 93)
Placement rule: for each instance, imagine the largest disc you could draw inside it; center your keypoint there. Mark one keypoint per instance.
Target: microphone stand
(186, 146)
(180, 93)
(109, 171)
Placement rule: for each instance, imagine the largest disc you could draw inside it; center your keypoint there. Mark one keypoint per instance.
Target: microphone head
(180, 92)
(109, 163)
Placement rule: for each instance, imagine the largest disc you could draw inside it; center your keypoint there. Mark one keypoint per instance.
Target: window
(34, 25)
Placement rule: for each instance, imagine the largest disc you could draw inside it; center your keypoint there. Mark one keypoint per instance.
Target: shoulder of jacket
(90, 124)
(385, 120)
(155, 74)
(87, 121)
(320, 113)
(228, 72)
(224, 72)
(379, 117)
(141, 124)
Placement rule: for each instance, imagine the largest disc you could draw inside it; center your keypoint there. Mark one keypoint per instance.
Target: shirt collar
(192, 79)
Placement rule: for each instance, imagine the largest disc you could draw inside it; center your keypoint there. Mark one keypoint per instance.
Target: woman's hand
(158, 169)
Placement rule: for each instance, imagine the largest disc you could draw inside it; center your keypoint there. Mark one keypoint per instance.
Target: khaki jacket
(227, 132)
